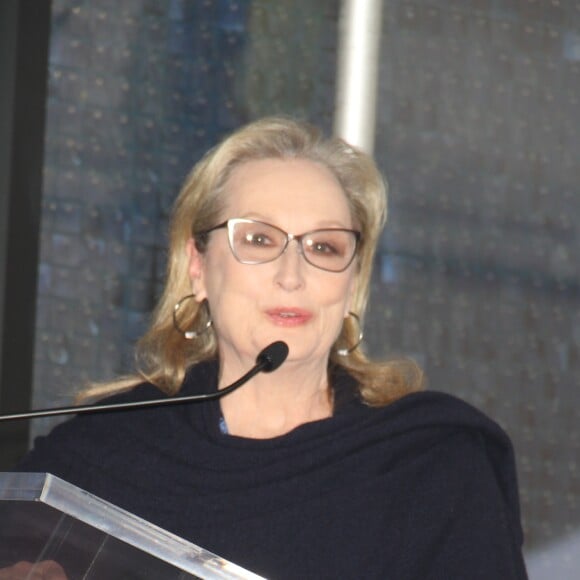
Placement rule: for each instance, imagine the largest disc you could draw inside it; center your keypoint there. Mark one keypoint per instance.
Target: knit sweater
(424, 488)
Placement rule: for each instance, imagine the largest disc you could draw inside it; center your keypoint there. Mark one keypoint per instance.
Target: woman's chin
(303, 352)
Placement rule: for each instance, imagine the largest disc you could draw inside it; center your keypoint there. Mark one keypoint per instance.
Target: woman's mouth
(289, 316)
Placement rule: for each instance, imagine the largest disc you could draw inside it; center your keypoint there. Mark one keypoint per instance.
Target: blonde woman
(333, 465)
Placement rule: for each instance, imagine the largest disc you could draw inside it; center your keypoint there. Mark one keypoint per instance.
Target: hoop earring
(347, 351)
(190, 334)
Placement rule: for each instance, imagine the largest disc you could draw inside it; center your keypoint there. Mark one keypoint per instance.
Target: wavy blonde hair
(163, 354)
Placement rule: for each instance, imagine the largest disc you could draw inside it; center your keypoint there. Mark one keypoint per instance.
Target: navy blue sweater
(424, 488)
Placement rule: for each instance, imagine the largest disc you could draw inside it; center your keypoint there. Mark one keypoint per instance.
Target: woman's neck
(273, 404)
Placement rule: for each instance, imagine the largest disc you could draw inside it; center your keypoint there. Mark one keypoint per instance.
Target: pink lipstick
(289, 317)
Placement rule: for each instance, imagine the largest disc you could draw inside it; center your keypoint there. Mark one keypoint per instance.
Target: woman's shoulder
(425, 414)
(107, 425)
(79, 448)
(199, 378)
(434, 416)
(444, 424)
(440, 409)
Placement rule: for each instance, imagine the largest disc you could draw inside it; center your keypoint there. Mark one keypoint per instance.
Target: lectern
(43, 517)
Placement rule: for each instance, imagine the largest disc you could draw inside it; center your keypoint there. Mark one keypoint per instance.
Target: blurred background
(478, 274)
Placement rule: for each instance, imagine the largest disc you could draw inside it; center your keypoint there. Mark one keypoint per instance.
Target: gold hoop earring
(347, 351)
(191, 334)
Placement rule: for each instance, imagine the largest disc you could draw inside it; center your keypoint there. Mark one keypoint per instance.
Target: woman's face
(253, 305)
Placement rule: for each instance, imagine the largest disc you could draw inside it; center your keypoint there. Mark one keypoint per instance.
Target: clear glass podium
(43, 518)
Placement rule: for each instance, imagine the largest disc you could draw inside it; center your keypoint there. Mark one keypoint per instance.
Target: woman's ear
(196, 270)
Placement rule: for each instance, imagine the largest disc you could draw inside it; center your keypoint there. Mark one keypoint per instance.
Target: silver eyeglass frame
(289, 238)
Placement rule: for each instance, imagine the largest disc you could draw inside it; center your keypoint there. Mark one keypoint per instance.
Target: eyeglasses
(255, 242)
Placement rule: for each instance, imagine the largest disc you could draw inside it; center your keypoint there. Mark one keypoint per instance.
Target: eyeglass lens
(255, 242)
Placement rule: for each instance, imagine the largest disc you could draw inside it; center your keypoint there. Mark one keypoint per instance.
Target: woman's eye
(324, 248)
(258, 240)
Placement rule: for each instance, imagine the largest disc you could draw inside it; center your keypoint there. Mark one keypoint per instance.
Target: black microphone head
(272, 356)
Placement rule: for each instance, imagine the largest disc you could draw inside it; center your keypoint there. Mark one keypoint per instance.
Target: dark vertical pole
(24, 44)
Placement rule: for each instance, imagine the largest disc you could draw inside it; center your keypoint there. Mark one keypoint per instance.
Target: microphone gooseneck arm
(267, 361)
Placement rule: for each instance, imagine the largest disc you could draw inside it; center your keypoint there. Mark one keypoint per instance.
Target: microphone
(272, 356)
(267, 361)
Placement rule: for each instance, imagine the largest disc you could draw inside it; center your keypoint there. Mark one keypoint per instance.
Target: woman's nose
(290, 267)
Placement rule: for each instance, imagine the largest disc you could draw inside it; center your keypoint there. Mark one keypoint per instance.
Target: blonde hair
(163, 354)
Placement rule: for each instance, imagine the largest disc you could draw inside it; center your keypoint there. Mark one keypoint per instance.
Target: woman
(332, 465)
